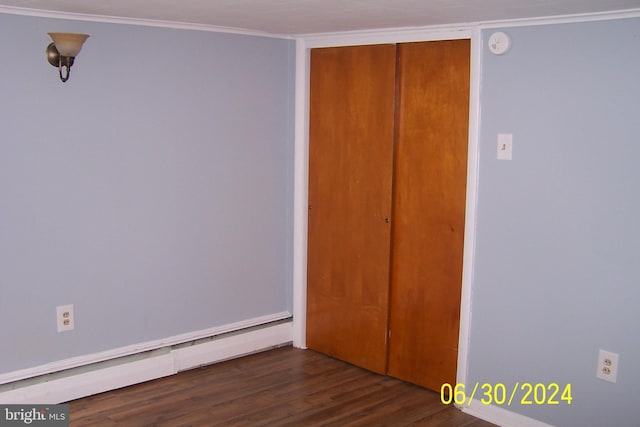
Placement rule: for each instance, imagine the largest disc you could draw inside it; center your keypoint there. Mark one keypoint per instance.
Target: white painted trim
(300, 196)
(468, 260)
(562, 19)
(395, 35)
(500, 416)
(113, 377)
(12, 10)
(449, 32)
(88, 359)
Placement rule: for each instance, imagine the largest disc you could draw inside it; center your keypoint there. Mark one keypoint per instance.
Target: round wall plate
(499, 43)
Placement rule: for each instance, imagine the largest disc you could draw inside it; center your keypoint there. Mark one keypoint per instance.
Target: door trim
(301, 160)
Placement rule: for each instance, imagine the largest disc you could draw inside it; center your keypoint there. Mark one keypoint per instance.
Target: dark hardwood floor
(280, 387)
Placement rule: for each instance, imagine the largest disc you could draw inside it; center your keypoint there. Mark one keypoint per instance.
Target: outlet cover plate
(65, 318)
(607, 366)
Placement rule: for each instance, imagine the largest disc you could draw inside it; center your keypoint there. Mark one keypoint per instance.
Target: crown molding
(563, 19)
(12, 10)
(454, 30)
(450, 31)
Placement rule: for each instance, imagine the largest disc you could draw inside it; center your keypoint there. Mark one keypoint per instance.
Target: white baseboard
(112, 377)
(500, 416)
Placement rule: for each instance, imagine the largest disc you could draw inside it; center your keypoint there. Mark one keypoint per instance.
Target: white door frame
(301, 169)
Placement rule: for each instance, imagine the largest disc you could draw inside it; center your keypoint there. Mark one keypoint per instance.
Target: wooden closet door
(429, 211)
(350, 172)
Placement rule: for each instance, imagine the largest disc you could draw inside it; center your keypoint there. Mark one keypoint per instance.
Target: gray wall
(556, 269)
(153, 190)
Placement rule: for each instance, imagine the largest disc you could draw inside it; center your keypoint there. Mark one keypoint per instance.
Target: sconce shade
(68, 44)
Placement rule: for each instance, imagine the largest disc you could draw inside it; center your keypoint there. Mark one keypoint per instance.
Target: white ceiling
(319, 16)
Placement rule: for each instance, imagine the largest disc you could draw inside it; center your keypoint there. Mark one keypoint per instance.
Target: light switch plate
(505, 146)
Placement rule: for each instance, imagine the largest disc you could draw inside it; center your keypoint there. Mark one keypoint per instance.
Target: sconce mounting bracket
(53, 56)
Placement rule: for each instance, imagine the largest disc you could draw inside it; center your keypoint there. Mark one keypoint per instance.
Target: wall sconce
(62, 52)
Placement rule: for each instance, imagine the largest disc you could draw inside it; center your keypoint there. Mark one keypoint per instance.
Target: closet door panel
(350, 173)
(429, 210)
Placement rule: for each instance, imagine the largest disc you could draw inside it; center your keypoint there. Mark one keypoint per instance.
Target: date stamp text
(500, 394)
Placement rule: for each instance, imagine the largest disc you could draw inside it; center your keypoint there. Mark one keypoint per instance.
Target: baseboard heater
(99, 377)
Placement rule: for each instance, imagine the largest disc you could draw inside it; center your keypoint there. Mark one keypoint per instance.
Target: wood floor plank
(279, 387)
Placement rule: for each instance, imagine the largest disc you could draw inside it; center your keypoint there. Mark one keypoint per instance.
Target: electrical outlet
(607, 366)
(65, 318)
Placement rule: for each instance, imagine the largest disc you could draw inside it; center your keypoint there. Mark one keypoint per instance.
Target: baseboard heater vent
(74, 383)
